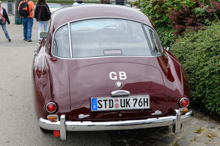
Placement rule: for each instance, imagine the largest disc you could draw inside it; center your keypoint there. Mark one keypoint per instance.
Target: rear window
(105, 37)
(108, 37)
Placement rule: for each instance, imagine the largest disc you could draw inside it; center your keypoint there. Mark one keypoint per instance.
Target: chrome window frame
(70, 40)
(90, 18)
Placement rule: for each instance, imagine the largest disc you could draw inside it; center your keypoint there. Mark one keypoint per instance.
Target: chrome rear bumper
(64, 125)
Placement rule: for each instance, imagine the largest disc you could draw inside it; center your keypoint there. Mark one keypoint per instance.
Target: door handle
(120, 93)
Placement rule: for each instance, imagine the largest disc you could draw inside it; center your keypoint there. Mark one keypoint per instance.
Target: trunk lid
(99, 81)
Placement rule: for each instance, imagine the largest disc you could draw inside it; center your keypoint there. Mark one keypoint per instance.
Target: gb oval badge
(118, 84)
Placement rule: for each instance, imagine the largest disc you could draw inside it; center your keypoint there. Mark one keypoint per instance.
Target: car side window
(61, 43)
(153, 41)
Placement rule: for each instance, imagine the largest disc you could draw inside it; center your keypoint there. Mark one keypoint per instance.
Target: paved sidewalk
(202, 130)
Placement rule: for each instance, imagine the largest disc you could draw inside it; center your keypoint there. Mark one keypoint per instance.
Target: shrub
(180, 15)
(134, 3)
(166, 36)
(199, 53)
(194, 17)
(158, 10)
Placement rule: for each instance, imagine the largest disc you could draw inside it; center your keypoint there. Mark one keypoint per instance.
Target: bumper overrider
(64, 125)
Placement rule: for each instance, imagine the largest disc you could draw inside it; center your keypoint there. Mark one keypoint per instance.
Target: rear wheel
(45, 131)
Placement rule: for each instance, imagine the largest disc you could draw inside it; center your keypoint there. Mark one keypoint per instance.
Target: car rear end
(111, 74)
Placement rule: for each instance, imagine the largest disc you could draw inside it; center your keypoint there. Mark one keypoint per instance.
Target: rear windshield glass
(108, 37)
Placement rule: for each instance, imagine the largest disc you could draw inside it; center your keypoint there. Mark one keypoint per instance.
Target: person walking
(27, 18)
(42, 15)
(3, 19)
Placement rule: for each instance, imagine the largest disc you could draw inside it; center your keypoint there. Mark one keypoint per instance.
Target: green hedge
(159, 10)
(166, 35)
(199, 53)
(178, 15)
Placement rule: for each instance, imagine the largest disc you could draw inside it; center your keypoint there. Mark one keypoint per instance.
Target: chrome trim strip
(157, 112)
(113, 125)
(120, 93)
(35, 52)
(81, 116)
(62, 127)
(102, 57)
(167, 48)
(70, 41)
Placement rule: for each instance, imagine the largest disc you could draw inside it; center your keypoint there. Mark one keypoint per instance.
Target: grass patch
(199, 130)
(193, 139)
(210, 135)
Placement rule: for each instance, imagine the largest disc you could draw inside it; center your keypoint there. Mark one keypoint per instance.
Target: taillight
(51, 107)
(184, 102)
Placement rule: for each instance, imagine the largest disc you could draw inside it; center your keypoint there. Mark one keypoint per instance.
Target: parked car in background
(105, 69)
(54, 6)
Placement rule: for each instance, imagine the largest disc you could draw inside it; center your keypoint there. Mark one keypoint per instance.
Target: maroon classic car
(102, 67)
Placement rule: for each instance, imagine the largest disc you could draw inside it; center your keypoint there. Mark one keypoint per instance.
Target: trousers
(5, 30)
(40, 24)
(27, 27)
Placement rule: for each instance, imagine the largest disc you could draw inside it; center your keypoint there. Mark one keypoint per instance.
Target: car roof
(75, 13)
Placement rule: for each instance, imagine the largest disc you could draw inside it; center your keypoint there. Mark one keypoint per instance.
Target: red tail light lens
(51, 107)
(184, 102)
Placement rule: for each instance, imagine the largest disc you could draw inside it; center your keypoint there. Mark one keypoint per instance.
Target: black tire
(45, 131)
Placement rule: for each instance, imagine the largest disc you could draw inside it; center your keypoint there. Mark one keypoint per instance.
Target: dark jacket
(5, 15)
(41, 12)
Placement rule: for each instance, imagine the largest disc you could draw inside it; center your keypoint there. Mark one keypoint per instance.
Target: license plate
(120, 103)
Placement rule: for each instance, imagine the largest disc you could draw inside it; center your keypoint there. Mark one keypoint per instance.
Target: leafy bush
(158, 10)
(166, 36)
(199, 53)
(134, 3)
(195, 17)
(180, 15)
